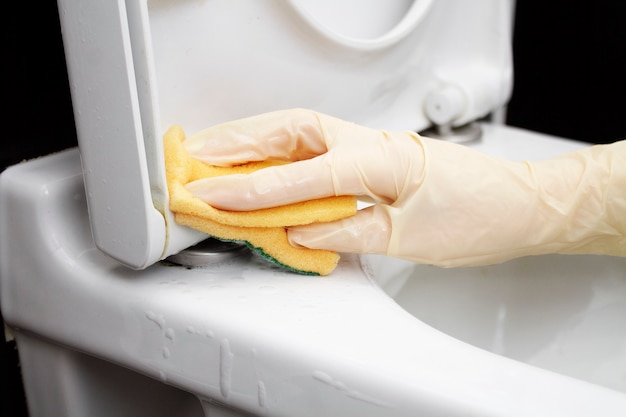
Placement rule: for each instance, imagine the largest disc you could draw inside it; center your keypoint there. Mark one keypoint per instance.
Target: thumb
(368, 231)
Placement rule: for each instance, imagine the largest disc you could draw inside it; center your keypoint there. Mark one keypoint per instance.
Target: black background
(570, 69)
(570, 81)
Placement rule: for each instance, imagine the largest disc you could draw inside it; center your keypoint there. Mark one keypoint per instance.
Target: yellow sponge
(262, 230)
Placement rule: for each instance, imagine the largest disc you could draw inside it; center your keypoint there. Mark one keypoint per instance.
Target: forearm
(472, 209)
(585, 195)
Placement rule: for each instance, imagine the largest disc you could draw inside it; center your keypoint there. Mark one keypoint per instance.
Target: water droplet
(261, 393)
(159, 320)
(226, 367)
(267, 289)
(169, 333)
(166, 353)
(339, 385)
(323, 377)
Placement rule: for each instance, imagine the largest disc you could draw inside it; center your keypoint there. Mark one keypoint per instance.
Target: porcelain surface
(268, 342)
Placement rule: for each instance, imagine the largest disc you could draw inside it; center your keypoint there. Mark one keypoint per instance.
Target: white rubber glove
(435, 202)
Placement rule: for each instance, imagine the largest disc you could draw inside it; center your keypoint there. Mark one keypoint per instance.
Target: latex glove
(435, 202)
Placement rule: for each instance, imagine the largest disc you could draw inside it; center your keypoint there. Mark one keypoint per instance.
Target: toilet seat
(245, 334)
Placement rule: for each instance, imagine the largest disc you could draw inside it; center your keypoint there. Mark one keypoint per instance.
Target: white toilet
(105, 326)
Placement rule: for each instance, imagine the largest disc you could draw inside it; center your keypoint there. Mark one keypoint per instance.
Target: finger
(290, 135)
(368, 231)
(268, 187)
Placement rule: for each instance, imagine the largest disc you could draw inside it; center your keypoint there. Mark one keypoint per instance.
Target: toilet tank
(138, 66)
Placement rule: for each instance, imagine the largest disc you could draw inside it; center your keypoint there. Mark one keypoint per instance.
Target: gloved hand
(434, 202)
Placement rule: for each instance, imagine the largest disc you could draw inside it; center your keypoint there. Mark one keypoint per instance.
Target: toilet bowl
(107, 325)
(241, 337)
